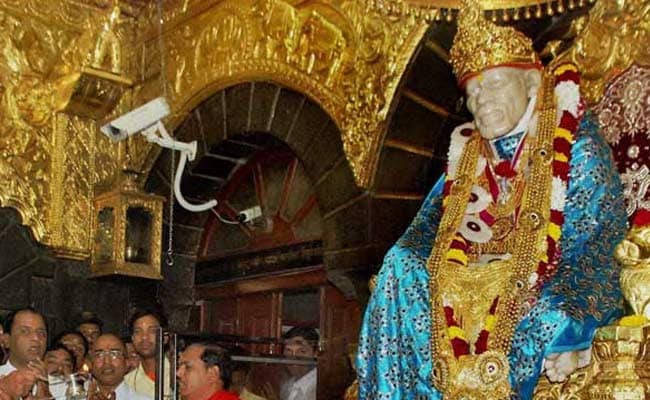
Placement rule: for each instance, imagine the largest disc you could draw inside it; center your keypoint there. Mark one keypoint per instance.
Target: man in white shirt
(108, 368)
(300, 343)
(27, 342)
(144, 325)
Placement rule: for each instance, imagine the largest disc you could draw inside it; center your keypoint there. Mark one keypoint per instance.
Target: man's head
(27, 336)
(498, 98)
(144, 325)
(108, 358)
(90, 326)
(300, 342)
(203, 369)
(59, 361)
(132, 356)
(76, 343)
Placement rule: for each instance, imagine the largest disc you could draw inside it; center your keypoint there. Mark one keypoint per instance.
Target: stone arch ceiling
(261, 107)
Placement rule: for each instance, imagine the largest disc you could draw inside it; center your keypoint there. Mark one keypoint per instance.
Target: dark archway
(234, 125)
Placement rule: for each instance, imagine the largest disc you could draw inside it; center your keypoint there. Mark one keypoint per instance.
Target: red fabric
(481, 343)
(493, 307)
(641, 217)
(561, 169)
(151, 375)
(460, 347)
(223, 395)
(505, 170)
(449, 316)
(568, 75)
(561, 145)
(486, 217)
(557, 217)
(458, 243)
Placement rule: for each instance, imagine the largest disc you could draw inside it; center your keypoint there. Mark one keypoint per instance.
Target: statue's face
(498, 98)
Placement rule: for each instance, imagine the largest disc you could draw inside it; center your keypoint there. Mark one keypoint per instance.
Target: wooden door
(339, 325)
(259, 317)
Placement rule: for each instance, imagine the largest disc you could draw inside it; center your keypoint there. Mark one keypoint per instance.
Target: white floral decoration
(483, 200)
(456, 148)
(567, 95)
(558, 194)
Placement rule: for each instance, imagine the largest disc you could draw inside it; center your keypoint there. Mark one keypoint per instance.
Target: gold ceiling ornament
(480, 44)
(615, 36)
(495, 10)
(53, 159)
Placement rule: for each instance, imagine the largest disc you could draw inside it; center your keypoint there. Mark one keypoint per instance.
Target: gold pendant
(474, 377)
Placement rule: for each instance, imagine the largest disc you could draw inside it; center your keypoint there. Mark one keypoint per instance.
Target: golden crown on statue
(480, 44)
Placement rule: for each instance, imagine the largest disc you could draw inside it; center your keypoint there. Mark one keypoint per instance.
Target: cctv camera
(136, 120)
(249, 214)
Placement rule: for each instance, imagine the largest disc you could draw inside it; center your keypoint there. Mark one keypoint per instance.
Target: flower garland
(570, 109)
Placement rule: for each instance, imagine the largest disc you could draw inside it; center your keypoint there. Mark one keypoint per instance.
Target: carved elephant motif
(320, 46)
(279, 25)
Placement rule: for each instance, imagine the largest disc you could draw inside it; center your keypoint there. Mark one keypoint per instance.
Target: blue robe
(394, 360)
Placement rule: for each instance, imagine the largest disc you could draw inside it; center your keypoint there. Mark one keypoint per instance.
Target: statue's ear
(533, 79)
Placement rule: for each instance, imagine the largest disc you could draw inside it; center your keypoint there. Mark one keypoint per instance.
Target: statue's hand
(559, 366)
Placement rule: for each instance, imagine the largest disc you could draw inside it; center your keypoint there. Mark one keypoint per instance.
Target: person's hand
(560, 365)
(42, 388)
(18, 383)
(4, 395)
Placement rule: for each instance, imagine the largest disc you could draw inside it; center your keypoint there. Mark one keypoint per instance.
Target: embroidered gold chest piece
(471, 290)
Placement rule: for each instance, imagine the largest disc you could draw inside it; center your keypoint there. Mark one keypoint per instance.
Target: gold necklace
(492, 366)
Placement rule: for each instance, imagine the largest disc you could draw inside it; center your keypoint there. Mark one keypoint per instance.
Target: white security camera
(137, 120)
(147, 120)
(249, 214)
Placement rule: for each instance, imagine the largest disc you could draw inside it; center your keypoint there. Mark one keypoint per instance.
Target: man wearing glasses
(108, 368)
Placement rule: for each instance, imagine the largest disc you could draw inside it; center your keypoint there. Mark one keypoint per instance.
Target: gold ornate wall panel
(51, 161)
(346, 57)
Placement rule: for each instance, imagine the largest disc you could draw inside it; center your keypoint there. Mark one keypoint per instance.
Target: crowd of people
(89, 363)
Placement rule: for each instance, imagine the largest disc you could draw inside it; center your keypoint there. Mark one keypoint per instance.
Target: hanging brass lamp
(127, 228)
